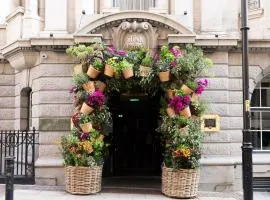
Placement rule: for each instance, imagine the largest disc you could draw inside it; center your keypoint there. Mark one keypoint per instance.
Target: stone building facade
(35, 72)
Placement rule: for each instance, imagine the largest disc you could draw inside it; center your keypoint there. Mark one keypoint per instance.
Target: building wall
(47, 71)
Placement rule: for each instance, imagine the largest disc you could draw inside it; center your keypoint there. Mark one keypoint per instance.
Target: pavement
(34, 192)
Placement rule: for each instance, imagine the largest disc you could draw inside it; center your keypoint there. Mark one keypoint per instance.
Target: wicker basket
(181, 183)
(83, 180)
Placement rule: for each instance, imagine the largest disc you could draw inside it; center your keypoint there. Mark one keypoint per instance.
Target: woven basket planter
(182, 183)
(83, 180)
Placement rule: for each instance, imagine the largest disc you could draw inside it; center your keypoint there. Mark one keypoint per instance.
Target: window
(260, 115)
(253, 4)
(134, 4)
(116, 3)
(153, 3)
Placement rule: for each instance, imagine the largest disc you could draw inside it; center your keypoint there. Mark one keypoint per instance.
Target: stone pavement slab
(58, 193)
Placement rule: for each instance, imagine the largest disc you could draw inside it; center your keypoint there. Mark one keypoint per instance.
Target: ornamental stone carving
(132, 35)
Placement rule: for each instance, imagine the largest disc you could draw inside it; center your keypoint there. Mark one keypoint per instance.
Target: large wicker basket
(83, 180)
(182, 183)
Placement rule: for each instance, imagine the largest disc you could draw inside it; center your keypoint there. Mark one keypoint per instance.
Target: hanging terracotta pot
(92, 72)
(85, 109)
(77, 69)
(128, 73)
(186, 112)
(100, 85)
(144, 71)
(86, 128)
(170, 112)
(183, 131)
(108, 71)
(164, 76)
(186, 89)
(170, 93)
(195, 97)
(89, 86)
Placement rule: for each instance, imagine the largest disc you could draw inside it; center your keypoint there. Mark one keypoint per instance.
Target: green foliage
(198, 107)
(80, 52)
(147, 61)
(162, 66)
(124, 64)
(135, 56)
(97, 63)
(191, 84)
(88, 152)
(192, 64)
(80, 79)
(85, 119)
(184, 151)
(102, 119)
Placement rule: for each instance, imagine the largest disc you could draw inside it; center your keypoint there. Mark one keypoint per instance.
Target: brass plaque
(210, 123)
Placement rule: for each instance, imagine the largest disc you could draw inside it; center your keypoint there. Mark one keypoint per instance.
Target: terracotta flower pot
(183, 131)
(170, 112)
(86, 128)
(145, 71)
(85, 109)
(195, 97)
(77, 69)
(186, 89)
(108, 71)
(164, 76)
(89, 86)
(170, 93)
(92, 72)
(186, 112)
(128, 73)
(100, 85)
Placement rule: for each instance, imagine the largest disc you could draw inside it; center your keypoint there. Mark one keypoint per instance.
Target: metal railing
(20, 145)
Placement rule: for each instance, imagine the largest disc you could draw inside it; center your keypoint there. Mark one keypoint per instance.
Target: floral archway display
(104, 70)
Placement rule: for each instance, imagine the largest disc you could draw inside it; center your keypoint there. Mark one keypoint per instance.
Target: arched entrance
(260, 115)
(136, 147)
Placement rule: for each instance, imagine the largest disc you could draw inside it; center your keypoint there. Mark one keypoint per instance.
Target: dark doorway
(135, 149)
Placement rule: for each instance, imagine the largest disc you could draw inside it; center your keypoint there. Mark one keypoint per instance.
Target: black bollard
(9, 172)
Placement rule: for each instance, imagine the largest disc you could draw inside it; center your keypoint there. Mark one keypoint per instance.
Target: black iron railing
(20, 145)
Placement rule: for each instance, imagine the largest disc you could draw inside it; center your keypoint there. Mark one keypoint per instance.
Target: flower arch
(104, 70)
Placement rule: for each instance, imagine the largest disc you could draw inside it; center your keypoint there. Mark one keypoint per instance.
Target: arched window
(134, 4)
(26, 109)
(260, 115)
(253, 4)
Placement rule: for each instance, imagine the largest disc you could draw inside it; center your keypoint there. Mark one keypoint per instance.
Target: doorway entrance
(135, 149)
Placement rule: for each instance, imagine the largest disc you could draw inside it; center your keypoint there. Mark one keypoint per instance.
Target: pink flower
(202, 84)
(96, 99)
(176, 52)
(121, 53)
(72, 89)
(178, 103)
(173, 63)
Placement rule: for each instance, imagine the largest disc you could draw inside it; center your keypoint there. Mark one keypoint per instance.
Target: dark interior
(135, 149)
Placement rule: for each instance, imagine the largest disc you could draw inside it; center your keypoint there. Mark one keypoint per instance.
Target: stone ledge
(49, 162)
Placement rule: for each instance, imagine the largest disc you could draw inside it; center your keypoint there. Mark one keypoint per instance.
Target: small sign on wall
(210, 123)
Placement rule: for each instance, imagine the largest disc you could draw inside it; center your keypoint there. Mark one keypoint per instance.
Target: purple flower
(156, 57)
(72, 89)
(96, 99)
(202, 84)
(173, 63)
(84, 136)
(121, 53)
(176, 52)
(178, 103)
(111, 49)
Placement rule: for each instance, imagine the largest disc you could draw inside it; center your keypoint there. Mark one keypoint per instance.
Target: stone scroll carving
(132, 35)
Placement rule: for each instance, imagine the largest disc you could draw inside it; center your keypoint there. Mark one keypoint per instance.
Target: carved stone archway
(131, 29)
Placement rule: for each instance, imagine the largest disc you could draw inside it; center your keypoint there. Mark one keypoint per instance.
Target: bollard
(9, 172)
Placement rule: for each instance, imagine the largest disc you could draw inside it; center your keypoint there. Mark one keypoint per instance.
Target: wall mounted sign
(210, 123)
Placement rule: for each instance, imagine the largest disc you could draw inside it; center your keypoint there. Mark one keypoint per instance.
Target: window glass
(260, 115)
(115, 3)
(253, 4)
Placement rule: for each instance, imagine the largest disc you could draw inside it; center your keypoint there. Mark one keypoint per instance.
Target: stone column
(31, 21)
(13, 4)
(55, 17)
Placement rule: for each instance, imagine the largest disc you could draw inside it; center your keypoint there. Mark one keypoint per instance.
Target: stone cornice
(18, 10)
